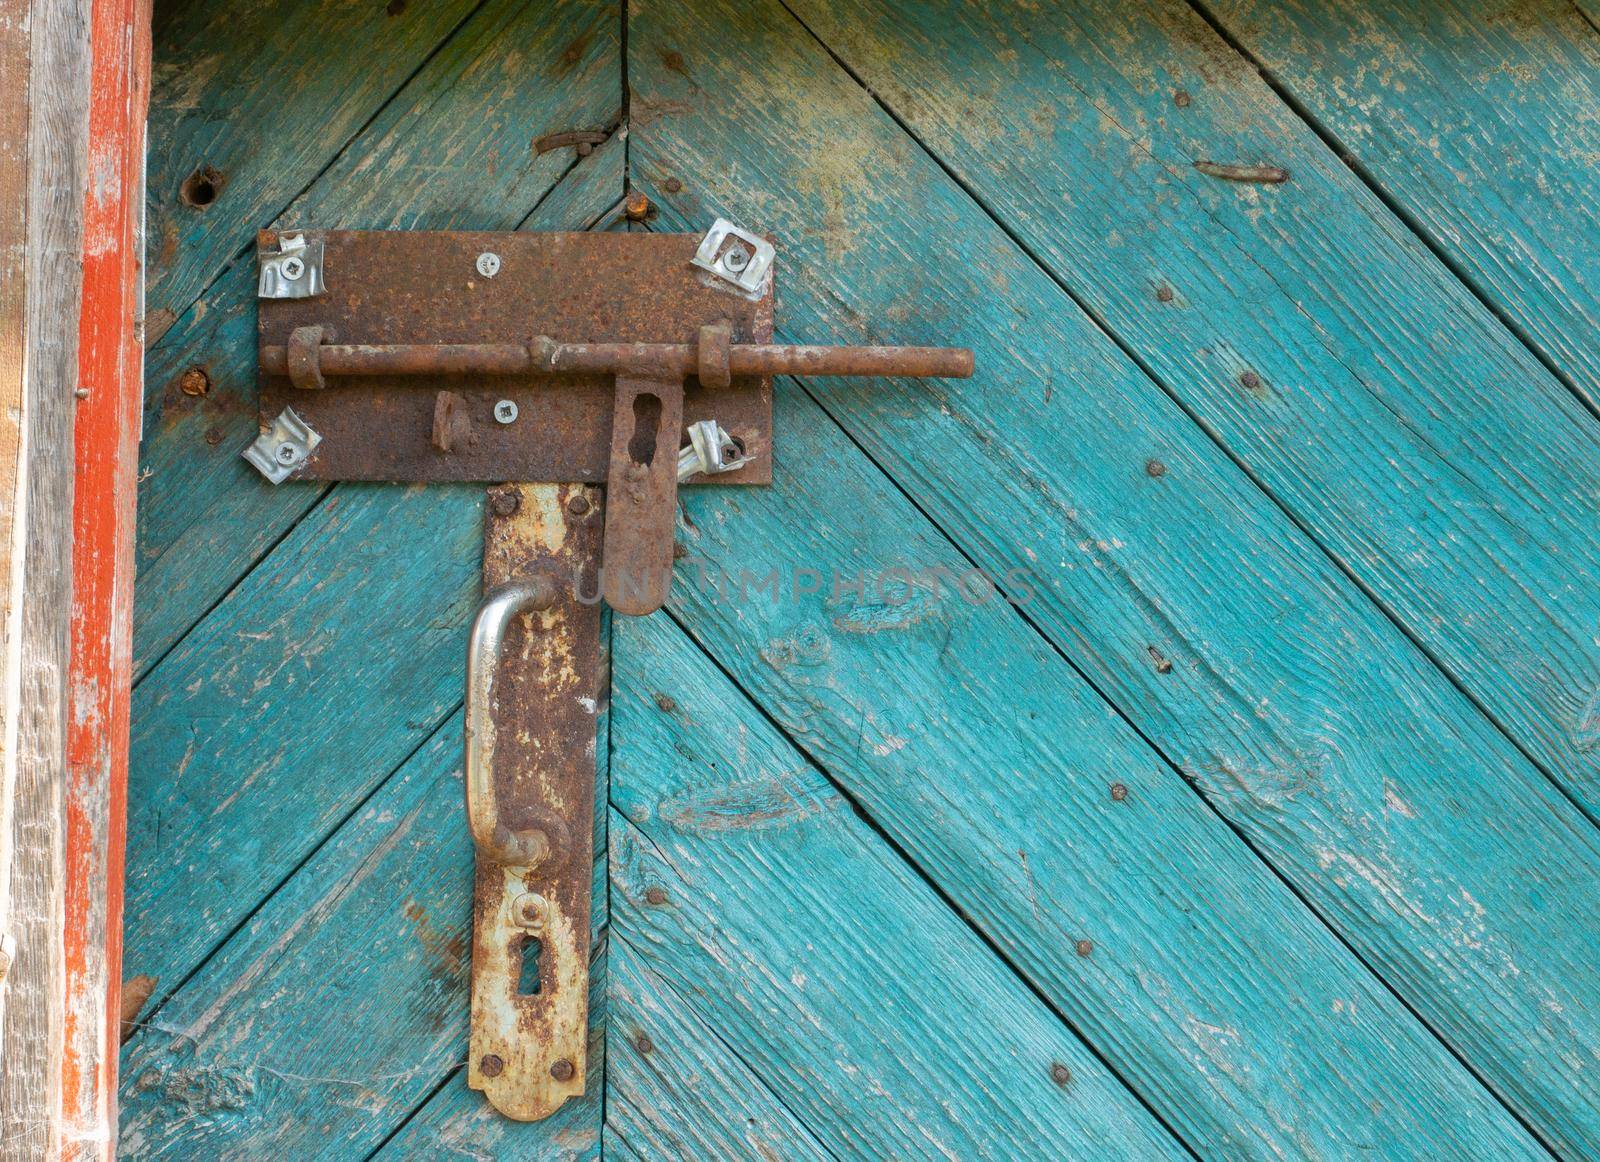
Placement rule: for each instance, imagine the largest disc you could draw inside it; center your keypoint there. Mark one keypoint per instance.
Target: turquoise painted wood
(1391, 414)
(716, 811)
(987, 759)
(1401, 815)
(1477, 118)
(342, 1004)
(1197, 822)
(254, 94)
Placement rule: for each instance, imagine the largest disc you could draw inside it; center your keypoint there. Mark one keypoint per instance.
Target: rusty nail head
(1181, 98)
(562, 1070)
(666, 702)
(1085, 947)
(1060, 1074)
(655, 895)
(644, 1045)
(1119, 792)
(194, 381)
(505, 501)
(1164, 294)
(578, 506)
(672, 186)
(1155, 468)
(637, 206)
(490, 1065)
(1250, 380)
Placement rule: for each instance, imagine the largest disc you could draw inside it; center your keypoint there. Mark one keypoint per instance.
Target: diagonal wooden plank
(1303, 324)
(1475, 120)
(745, 880)
(1211, 621)
(1049, 822)
(674, 1090)
(342, 1004)
(467, 121)
(249, 101)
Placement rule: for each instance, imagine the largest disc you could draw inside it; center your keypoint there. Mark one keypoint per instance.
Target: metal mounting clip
(283, 447)
(737, 256)
(292, 270)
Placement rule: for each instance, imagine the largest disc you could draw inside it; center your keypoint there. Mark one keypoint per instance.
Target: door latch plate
(385, 287)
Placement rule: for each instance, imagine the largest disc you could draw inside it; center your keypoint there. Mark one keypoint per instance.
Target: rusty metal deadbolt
(598, 379)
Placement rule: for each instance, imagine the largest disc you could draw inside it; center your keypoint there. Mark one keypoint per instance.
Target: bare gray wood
(57, 147)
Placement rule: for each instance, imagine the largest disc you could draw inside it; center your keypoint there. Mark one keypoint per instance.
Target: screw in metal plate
(292, 267)
(736, 258)
(489, 266)
(505, 412)
(287, 453)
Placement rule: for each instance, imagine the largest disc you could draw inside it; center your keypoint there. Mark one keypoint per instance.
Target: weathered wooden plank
(674, 1089)
(106, 453)
(783, 921)
(467, 122)
(1207, 985)
(33, 840)
(1211, 621)
(1476, 117)
(16, 54)
(341, 1005)
(1306, 327)
(249, 103)
(320, 672)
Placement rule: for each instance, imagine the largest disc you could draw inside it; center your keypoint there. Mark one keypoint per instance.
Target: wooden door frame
(74, 89)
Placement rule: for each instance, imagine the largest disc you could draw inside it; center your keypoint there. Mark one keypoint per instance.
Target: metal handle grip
(493, 839)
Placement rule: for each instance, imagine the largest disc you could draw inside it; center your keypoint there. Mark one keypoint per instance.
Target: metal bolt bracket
(745, 261)
(710, 450)
(283, 447)
(291, 270)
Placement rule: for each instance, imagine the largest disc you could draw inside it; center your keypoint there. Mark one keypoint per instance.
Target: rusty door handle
(526, 847)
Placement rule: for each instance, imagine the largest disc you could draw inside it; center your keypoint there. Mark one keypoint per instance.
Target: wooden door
(1178, 738)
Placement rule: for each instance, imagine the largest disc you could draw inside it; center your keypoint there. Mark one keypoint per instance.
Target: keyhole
(528, 979)
(646, 424)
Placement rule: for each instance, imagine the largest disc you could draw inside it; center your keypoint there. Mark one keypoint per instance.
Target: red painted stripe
(110, 368)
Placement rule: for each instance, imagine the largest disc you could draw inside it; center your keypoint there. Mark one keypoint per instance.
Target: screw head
(505, 412)
(578, 506)
(488, 264)
(736, 258)
(562, 1070)
(287, 454)
(505, 501)
(490, 1065)
(529, 911)
(292, 267)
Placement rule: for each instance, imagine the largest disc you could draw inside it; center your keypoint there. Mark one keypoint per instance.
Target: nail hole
(528, 980)
(201, 187)
(646, 424)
